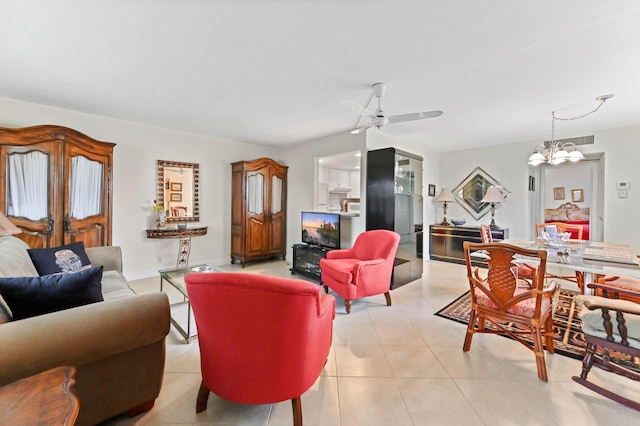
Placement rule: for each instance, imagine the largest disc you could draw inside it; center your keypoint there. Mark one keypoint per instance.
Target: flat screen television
(322, 229)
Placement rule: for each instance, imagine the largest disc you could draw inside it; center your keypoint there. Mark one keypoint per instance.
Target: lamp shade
(493, 195)
(445, 195)
(7, 227)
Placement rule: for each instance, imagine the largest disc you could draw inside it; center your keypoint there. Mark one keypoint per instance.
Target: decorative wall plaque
(473, 188)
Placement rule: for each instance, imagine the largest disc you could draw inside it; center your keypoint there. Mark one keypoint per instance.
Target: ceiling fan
(377, 118)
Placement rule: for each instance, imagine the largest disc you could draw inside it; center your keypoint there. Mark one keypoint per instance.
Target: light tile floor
(402, 365)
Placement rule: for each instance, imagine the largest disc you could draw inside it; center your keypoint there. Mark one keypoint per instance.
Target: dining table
(592, 258)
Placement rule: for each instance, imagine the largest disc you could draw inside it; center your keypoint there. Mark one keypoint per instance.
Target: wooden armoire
(258, 210)
(56, 185)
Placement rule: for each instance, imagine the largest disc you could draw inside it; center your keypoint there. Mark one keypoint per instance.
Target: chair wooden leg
(203, 397)
(538, 350)
(469, 335)
(549, 334)
(388, 297)
(347, 305)
(296, 404)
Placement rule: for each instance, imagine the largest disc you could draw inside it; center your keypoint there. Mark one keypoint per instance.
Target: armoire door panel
(77, 170)
(86, 217)
(91, 235)
(257, 238)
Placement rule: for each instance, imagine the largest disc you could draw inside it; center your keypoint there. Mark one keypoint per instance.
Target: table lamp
(445, 196)
(493, 196)
(7, 227)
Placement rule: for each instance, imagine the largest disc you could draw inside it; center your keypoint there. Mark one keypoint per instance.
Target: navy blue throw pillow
(67, 258)
(32, 296)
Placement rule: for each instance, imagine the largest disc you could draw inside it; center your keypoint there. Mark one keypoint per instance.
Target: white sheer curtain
(255, 194)
(85, 188)
(276, 194)
(27, 185)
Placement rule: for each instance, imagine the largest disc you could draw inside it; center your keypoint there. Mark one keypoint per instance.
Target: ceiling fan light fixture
(377, 118)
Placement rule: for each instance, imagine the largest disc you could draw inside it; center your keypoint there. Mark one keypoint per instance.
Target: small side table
(184, 243)
(175, 277)
(43, 399)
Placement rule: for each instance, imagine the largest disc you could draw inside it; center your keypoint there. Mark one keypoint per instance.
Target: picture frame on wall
(577, 195)
(176, 197)
(176, 186)
(432, 190)
(558, 193)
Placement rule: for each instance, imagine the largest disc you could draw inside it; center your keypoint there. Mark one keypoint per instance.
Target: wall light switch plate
(623, 185)
(623, 193)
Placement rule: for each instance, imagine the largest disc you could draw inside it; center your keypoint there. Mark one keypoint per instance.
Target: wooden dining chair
(525, 272)
(610, 325)
(512, 310)
(562, 227)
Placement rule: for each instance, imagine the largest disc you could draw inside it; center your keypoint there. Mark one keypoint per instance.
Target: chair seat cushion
(524, 308)
(340, 270)
(593, 325)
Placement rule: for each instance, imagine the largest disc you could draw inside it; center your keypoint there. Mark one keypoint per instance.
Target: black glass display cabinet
(445, 242)
(394, 202)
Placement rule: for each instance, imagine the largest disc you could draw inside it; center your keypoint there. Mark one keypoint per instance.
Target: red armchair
(263, 339)
(364, 270)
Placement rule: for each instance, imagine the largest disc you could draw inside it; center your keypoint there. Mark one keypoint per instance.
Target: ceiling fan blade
(356, 107)
(360, 129)
(414, 116)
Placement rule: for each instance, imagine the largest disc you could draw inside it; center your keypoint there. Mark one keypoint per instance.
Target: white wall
(508, 165)
(302, 177)
(138, 147)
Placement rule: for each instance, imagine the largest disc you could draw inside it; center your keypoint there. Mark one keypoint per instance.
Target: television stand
(306, 260)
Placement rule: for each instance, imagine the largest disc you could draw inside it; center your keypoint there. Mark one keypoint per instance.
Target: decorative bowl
(458, 222)
(182, 226)
(556, 240)
(204, 268)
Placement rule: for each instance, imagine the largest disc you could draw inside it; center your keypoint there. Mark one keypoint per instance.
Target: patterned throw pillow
(68, 258)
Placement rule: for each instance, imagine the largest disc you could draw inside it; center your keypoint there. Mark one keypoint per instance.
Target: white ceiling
(272, 72)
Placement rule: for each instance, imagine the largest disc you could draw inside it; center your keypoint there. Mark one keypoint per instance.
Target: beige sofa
(117, 346)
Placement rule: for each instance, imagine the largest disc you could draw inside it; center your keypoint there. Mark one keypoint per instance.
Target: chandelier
(557, 152)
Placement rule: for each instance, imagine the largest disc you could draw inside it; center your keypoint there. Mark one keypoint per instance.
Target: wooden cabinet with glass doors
(258, 210)
(55, 185)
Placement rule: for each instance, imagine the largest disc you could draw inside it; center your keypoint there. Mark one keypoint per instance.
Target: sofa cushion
(15, 259)
(32, 296)
(115, 286)
(67, 258)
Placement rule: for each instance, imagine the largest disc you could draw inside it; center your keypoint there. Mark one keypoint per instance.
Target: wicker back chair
(500, 300)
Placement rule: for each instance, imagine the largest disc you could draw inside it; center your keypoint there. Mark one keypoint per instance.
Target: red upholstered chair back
(263, 339)
(376, 244)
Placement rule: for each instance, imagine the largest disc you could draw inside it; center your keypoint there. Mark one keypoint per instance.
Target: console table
(445, 242)
(184, 243)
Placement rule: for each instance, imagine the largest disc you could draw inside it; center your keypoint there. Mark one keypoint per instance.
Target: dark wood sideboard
(445, 242)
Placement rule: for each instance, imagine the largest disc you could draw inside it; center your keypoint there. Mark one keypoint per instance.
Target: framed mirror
(178, 190)
(472, 189)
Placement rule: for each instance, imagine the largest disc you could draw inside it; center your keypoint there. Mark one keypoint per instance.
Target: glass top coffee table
(175, 277)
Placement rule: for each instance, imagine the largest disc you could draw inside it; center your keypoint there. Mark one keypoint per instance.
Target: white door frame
(596, 219)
